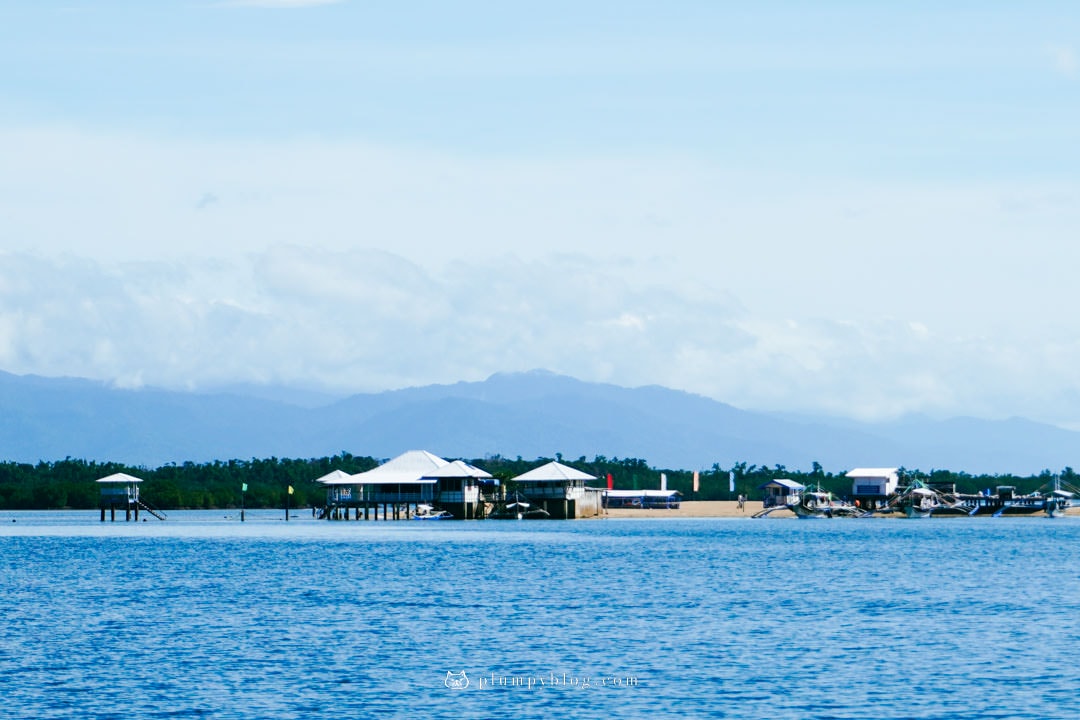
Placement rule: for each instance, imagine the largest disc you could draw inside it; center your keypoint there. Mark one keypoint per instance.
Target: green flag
(243, 487)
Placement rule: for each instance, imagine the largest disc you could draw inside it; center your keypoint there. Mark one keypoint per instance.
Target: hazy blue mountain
(534, 414)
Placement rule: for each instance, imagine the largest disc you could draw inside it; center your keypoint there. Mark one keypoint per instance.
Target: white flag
(663, 481)
(731, 481)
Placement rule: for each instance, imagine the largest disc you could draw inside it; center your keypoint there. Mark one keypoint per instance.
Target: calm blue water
(202, 616)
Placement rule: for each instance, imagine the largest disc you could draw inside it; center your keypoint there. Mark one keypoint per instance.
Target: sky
(854, 209)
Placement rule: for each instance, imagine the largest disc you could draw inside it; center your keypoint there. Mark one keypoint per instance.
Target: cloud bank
(370, 320)
(344, 266)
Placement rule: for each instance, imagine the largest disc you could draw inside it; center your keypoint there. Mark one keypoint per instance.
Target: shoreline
(730, 509)
(696, 509)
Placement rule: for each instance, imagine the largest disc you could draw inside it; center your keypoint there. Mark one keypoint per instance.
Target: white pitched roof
(459, 468)
(338, 477)
(554, 471)
(414, 466)
(413, 461)
(873, 473)
(120, 478)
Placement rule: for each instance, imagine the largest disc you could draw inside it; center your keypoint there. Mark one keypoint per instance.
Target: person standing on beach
(742, 502)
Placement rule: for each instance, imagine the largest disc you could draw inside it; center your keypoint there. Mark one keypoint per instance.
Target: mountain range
(533, 414)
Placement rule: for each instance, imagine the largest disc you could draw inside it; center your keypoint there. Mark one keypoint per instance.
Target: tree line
(71, 483)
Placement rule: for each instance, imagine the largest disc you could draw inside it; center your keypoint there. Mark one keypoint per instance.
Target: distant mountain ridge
(532, 414)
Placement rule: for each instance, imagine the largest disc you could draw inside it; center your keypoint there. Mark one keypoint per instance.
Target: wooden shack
(780, 492)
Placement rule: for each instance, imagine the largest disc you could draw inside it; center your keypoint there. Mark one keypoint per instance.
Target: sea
(205, 616)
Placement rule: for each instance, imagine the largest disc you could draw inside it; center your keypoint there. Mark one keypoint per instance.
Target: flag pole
(243, 491)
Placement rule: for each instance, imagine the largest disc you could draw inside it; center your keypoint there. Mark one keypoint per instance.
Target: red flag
(610, 482)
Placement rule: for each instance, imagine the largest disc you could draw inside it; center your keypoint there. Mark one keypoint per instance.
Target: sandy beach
(699, 508)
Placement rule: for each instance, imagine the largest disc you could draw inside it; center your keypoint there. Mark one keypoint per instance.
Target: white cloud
(369, 320)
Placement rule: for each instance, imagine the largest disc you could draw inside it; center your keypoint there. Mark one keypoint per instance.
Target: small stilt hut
(122, 490)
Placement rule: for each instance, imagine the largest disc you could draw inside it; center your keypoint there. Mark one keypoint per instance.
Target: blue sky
(861, 209)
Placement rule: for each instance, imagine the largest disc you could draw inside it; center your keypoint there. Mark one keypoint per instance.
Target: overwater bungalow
(459, 489)
(561, 491)
(399, 486)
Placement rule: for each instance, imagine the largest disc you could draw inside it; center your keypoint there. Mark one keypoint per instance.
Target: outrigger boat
(1007, 502)
(519, 509)
(814, 504)
(428, 512)
(921, 501)
(1058, 502)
